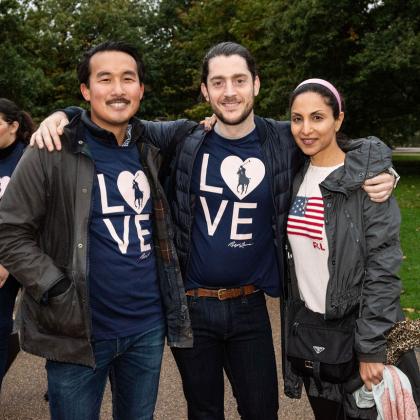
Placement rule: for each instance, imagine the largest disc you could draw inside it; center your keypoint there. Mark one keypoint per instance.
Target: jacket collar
(75, 131)
(261, 128)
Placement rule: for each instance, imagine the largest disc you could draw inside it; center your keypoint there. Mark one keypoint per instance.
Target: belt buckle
(219, 294)
(309, 364)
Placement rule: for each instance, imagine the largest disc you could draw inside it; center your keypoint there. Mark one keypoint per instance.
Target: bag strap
(317, 375)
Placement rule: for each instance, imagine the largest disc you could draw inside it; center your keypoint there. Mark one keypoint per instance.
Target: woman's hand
(3, 275)
(371, 373)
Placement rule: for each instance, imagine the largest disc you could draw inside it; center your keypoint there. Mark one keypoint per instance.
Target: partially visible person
(16, 127)
(344, 259)
(87, 232)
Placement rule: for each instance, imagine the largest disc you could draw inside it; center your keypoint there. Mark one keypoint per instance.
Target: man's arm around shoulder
(166, 134)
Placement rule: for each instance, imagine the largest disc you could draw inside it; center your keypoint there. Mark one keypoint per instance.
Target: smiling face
(314, 128)
(7, 132)
(114, 90)
(230, 89)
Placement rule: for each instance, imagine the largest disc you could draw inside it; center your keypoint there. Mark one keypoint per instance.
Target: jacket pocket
(63, 315)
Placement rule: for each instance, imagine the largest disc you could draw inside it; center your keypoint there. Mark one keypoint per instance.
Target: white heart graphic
(135, 189)
(4, 181)
(242, 177)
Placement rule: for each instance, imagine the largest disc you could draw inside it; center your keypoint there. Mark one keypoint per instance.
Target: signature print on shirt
(242, 177)
(4, 181)
(135, 190)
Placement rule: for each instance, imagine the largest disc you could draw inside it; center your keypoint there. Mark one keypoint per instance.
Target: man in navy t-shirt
(86, 231)
(232, 258)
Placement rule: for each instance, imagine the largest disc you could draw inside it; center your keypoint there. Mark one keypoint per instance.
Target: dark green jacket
(44, 225)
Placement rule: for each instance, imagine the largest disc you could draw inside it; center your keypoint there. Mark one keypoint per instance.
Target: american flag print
(306, 217)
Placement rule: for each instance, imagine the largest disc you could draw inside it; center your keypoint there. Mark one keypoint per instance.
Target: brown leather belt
(223, 294)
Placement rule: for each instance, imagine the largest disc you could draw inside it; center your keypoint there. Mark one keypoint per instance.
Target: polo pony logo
(318, 349)
(135, 189)
(242, 177)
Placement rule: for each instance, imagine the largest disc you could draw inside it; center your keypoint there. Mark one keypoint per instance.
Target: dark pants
(235, 336)
(7, 302)
(327, 410)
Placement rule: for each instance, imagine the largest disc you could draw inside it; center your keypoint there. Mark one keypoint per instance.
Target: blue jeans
(235, 336)
(75, 392)
(7, 302)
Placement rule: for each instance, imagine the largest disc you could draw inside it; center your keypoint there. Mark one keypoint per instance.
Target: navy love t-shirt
(123, 286)
(232, 240)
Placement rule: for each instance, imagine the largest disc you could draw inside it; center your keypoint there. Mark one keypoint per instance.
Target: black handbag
(320, 348)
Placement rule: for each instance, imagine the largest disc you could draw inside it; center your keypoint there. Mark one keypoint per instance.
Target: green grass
(408, 196)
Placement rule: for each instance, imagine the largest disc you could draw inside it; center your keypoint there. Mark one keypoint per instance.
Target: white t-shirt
(306, 233)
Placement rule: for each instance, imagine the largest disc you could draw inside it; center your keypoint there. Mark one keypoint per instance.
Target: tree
(21, 80)
(368, 49)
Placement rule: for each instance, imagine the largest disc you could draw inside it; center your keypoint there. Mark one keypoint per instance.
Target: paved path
(25, 384)
(407, 150)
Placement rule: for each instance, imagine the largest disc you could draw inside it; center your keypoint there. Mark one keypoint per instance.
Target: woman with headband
(16, 127)
(344, 255)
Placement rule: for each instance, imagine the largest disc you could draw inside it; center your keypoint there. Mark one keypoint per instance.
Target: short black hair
(227, 49)
(83, 68)
(322, 90)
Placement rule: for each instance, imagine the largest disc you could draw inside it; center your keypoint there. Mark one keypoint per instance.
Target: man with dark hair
(84, 66)
(229, 192)
(99, 270)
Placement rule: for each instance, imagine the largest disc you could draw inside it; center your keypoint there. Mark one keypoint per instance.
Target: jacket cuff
(38, 292)
(379, 357)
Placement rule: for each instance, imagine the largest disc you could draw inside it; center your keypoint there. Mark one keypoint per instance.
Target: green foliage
(408, 196)
(369, 49)
(387, 77)
(20, 77)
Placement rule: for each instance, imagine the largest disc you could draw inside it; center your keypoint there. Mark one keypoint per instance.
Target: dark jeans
(75, 392)
(7, 302)
(232, 335)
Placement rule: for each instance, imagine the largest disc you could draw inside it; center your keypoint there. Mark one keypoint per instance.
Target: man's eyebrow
(235, 76)
(103, 73)
(130, 73)
(108, 73)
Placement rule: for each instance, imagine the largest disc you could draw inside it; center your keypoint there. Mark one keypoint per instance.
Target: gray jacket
(365, 253)
(44, 223)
